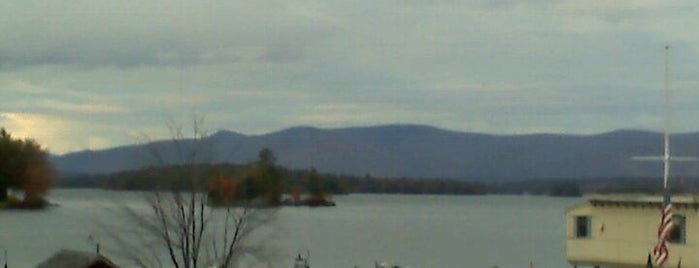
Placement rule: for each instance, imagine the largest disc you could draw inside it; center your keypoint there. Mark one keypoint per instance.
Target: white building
(621, 231)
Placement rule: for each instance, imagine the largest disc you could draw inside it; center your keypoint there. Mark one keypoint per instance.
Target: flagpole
(661, 252)
(666, 112)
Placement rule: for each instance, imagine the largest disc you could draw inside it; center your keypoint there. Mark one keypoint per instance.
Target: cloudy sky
(90, 74)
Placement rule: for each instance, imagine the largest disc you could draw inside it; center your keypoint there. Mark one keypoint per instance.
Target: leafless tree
(177, 228)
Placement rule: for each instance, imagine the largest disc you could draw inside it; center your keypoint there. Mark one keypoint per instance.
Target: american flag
(660, 251)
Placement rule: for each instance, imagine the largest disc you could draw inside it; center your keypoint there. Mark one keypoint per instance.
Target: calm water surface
(411, 230)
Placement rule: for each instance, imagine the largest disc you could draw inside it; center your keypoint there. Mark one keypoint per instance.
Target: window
(582, 227)
(679, 231)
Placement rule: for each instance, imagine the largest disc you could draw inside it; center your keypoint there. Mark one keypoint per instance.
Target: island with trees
(265, 182)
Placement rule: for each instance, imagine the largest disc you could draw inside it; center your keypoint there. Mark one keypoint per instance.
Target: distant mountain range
(418, 151)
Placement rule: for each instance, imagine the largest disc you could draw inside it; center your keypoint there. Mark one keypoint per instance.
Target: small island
(316, 197)
(262, 183)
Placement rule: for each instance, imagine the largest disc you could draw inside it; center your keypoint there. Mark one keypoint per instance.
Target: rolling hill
(416, 151)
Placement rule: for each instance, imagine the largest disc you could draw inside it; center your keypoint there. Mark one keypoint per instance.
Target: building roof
(76, 259)
(642, 200)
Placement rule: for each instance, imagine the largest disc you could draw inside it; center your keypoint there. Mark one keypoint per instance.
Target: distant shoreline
(550, 187)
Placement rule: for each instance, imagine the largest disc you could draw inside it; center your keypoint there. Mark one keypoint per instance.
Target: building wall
(623, 236)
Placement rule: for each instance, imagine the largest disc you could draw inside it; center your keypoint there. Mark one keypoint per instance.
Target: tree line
(264, 177)
(312, 181)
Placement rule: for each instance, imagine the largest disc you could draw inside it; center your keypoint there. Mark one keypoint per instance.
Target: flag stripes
(660, 251)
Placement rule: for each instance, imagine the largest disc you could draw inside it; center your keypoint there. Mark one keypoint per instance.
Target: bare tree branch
(178, 225)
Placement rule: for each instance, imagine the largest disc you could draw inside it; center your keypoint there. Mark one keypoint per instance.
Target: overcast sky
(79, 75)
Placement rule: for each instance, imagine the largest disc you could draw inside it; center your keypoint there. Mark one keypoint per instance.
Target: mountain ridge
(416, 151)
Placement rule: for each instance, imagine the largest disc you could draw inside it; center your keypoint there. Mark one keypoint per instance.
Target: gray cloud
(157, 33)
(113, 67)
(283, 54)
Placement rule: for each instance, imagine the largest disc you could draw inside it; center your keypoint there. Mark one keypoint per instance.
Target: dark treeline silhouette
(311, 181)
(307, 180)
(578, 187)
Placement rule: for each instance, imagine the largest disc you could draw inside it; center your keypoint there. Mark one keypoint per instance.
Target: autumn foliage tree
(24, 166)
(222, 191)
(259, 183)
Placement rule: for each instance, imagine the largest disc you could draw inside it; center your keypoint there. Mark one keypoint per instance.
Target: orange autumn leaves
(259, 182)
(24, 166)
(223, 190)
(38, 177)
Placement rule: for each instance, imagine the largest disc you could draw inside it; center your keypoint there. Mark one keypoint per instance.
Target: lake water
(411, 230)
